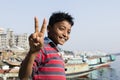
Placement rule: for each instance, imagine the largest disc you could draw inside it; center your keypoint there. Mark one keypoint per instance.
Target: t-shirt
(48, 64)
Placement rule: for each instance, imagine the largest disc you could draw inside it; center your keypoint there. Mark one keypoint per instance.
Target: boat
(75, 67)
(83, 65)
(100, 61)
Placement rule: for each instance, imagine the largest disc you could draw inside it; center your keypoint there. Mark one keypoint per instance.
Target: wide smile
(62, 39)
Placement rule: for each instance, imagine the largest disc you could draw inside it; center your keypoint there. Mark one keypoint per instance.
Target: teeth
(63, 39)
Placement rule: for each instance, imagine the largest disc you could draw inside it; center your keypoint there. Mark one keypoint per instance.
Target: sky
(96, 22)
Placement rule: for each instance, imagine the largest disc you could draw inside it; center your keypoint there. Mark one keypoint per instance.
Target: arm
(26, 67)
(36, 41)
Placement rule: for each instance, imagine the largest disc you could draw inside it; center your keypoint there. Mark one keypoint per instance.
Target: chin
(61, 43)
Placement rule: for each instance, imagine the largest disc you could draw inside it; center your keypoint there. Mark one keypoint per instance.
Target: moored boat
(101, 61)
(76, 67)
(83, 65)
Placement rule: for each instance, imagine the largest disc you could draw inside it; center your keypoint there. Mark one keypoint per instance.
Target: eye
(69, 32)
(61, 28)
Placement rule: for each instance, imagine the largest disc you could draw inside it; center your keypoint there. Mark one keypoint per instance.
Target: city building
(9, 40)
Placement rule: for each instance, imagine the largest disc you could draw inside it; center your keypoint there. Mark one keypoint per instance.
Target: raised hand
(36, 40)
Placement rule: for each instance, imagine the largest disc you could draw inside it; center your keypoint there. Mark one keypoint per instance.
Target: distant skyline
(97, 22)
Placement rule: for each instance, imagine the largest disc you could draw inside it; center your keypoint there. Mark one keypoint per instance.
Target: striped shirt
(48, 64)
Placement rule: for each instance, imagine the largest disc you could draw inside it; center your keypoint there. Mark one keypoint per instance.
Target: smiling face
(59, 33)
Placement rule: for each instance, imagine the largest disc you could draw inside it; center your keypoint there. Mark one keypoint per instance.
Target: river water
(106, 73)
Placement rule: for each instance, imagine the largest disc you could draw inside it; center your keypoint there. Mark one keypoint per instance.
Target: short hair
(60, 16)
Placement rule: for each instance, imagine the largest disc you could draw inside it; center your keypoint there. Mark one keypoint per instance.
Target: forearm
(26, 67)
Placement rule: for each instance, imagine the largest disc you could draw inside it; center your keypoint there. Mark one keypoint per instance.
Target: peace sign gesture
(36, 40)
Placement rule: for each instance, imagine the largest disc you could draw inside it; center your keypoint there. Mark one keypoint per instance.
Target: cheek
(57, 33)
(52, 33)
(68, 38)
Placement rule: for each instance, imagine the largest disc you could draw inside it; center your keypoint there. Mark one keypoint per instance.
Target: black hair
(60, 16)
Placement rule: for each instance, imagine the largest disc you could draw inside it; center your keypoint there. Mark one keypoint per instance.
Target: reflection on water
(106, 73)
(103, 74)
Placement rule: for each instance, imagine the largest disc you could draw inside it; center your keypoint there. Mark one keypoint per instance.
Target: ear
(48, 28)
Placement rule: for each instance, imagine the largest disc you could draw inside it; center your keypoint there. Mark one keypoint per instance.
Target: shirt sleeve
(37, 62)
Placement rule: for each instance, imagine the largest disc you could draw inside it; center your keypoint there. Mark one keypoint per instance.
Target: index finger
(43, 28)
(36, 25)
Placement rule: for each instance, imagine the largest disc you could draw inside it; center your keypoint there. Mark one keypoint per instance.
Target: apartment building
(8, 39)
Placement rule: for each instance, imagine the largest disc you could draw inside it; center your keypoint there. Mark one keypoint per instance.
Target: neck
(52, 40)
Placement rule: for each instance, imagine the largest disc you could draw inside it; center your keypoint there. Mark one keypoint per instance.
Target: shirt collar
(49, 41)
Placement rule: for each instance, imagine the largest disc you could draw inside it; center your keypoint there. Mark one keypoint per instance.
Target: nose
(65, 33)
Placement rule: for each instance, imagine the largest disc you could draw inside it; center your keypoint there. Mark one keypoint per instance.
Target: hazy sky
(97, 22)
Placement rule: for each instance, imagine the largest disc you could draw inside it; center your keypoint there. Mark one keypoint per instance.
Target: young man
(43, 61)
